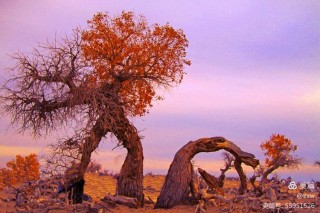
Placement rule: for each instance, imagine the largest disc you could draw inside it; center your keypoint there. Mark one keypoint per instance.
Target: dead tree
(228, 164)
(179, 178)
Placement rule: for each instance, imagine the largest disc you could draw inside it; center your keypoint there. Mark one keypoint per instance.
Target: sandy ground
(99, 186)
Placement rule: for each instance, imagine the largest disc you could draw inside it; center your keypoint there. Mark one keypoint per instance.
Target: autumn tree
(95, 81)
(19, 170)
(279, 152)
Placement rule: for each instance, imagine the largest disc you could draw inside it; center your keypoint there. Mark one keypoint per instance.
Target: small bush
(19, 170)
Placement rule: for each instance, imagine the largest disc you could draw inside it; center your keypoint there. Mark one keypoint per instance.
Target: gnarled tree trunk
(75, 174)
(179, 177)
(130, 180)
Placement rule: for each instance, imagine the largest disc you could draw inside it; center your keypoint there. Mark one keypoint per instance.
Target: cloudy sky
(255, 71)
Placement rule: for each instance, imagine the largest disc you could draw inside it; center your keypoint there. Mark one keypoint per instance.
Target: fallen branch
(122, 200)
(211, 181)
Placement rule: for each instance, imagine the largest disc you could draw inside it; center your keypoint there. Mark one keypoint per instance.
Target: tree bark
(91, 143)
(75, 174)
(130, 180)
(179, 177)
(194, 187)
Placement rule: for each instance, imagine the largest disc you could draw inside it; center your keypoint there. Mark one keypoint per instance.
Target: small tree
(279, 153)
(317, 163)
(19, 170)
(228, 164)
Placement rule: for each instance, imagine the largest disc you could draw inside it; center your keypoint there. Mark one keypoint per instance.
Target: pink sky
(255, 71)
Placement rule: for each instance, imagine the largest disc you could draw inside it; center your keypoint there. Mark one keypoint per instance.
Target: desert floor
(99, 186)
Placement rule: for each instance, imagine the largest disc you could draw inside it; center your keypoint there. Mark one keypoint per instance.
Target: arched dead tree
(179, 177)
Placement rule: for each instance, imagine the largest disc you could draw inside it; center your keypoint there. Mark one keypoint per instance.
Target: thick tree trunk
(91, 143)
(75, 174)
(176, 186)
(179, 177)
(131, 174)
(75, 192)
(130, 180)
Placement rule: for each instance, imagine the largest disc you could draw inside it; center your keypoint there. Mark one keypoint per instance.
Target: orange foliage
(277, 147)
(133, 58)
(19, 170)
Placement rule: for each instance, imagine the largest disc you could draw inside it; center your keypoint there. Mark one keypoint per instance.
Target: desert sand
(99, 186)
